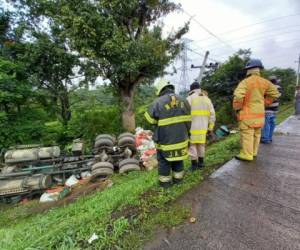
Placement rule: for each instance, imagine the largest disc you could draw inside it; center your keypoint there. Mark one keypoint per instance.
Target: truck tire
(126, 134)
(129, 165)
(105, 136)
(104, 140)
(102, 164)
(102, 170)
(127, 140)
(101, 173)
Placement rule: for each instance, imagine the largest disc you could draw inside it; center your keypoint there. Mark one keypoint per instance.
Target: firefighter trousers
(168, 170)
(250, 139)
(196, 150)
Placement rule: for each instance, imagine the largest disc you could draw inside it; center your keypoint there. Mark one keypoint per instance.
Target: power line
(285, 41)
(207, 30)
(255, 39)
(200, 54)
(264, 33)
(254, 24)
(202, 51)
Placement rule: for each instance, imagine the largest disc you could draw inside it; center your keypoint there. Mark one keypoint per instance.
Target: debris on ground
(192, 219)
(71, 181)
(93, 238)
(146, 148)
(55, 194)
(222, 131)
(109, 183)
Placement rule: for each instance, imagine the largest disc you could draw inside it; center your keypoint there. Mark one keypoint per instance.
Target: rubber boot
(201, 163)
(177, 181)
(165, 185)
(194, 166)
(241, 158)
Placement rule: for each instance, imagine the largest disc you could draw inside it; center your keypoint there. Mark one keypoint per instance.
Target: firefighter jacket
(203, 116)
(250, 98)
(170, 114)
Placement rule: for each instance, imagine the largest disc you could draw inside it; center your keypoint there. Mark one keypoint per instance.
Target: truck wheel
(127, 140)
(106, 136)
(101, 173)
(129, 165)
(102, 170)
(102, 164)
(104, 140)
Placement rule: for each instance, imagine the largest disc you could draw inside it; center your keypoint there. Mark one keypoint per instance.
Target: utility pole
(298, 71)
(202, 67)
(297, 92)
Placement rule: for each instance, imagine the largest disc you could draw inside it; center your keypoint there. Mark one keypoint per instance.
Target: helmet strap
(253, 71)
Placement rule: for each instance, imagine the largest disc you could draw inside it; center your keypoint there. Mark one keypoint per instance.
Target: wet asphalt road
(246, 205)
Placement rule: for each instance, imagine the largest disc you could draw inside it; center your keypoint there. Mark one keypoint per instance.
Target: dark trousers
(165, 168)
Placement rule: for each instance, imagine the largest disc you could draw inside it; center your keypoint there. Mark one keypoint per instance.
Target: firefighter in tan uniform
(250, 98)
(203, 121)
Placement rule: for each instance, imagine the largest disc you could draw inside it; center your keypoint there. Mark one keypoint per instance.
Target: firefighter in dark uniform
(171, 116)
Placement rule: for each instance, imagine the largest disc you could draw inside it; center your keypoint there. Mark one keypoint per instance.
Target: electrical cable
(264, 33)
(200, 54)
(285, 41)
(207, 30)
(254, 24)
(255, 39)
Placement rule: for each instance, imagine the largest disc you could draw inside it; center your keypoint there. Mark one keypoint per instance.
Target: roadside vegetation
(123, 216)
(50, 65)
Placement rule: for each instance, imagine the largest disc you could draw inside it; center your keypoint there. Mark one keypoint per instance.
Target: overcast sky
(275, 40)
(270, 28)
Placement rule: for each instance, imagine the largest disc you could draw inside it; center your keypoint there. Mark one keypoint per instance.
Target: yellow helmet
(161, 85)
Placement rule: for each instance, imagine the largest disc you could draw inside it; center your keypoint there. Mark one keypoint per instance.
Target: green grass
(123, 216)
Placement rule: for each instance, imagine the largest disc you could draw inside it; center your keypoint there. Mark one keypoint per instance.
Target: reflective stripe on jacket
(250, 98)
(203, 116)
(170, 114)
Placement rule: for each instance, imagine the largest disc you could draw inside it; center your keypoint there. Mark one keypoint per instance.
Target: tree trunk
(65, 108)
(6, 108)
(127, 106)
(19, 108)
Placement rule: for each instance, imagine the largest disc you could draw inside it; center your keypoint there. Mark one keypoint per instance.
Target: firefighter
(250, 98)
(203, 121)
(170, 114)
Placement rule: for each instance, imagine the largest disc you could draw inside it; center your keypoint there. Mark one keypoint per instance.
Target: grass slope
(123, 216)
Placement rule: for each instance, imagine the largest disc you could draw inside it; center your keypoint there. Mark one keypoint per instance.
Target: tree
(287, 81)
(121, 39)
(52, 69)
(21, 120)
(15, 88)
(221, 81)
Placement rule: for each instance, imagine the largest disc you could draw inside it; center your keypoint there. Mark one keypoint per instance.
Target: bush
(54, 133)
(25, 127)
(225, 114)
(87, 124)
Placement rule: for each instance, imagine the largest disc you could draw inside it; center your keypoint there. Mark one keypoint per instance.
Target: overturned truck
(29, 170)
